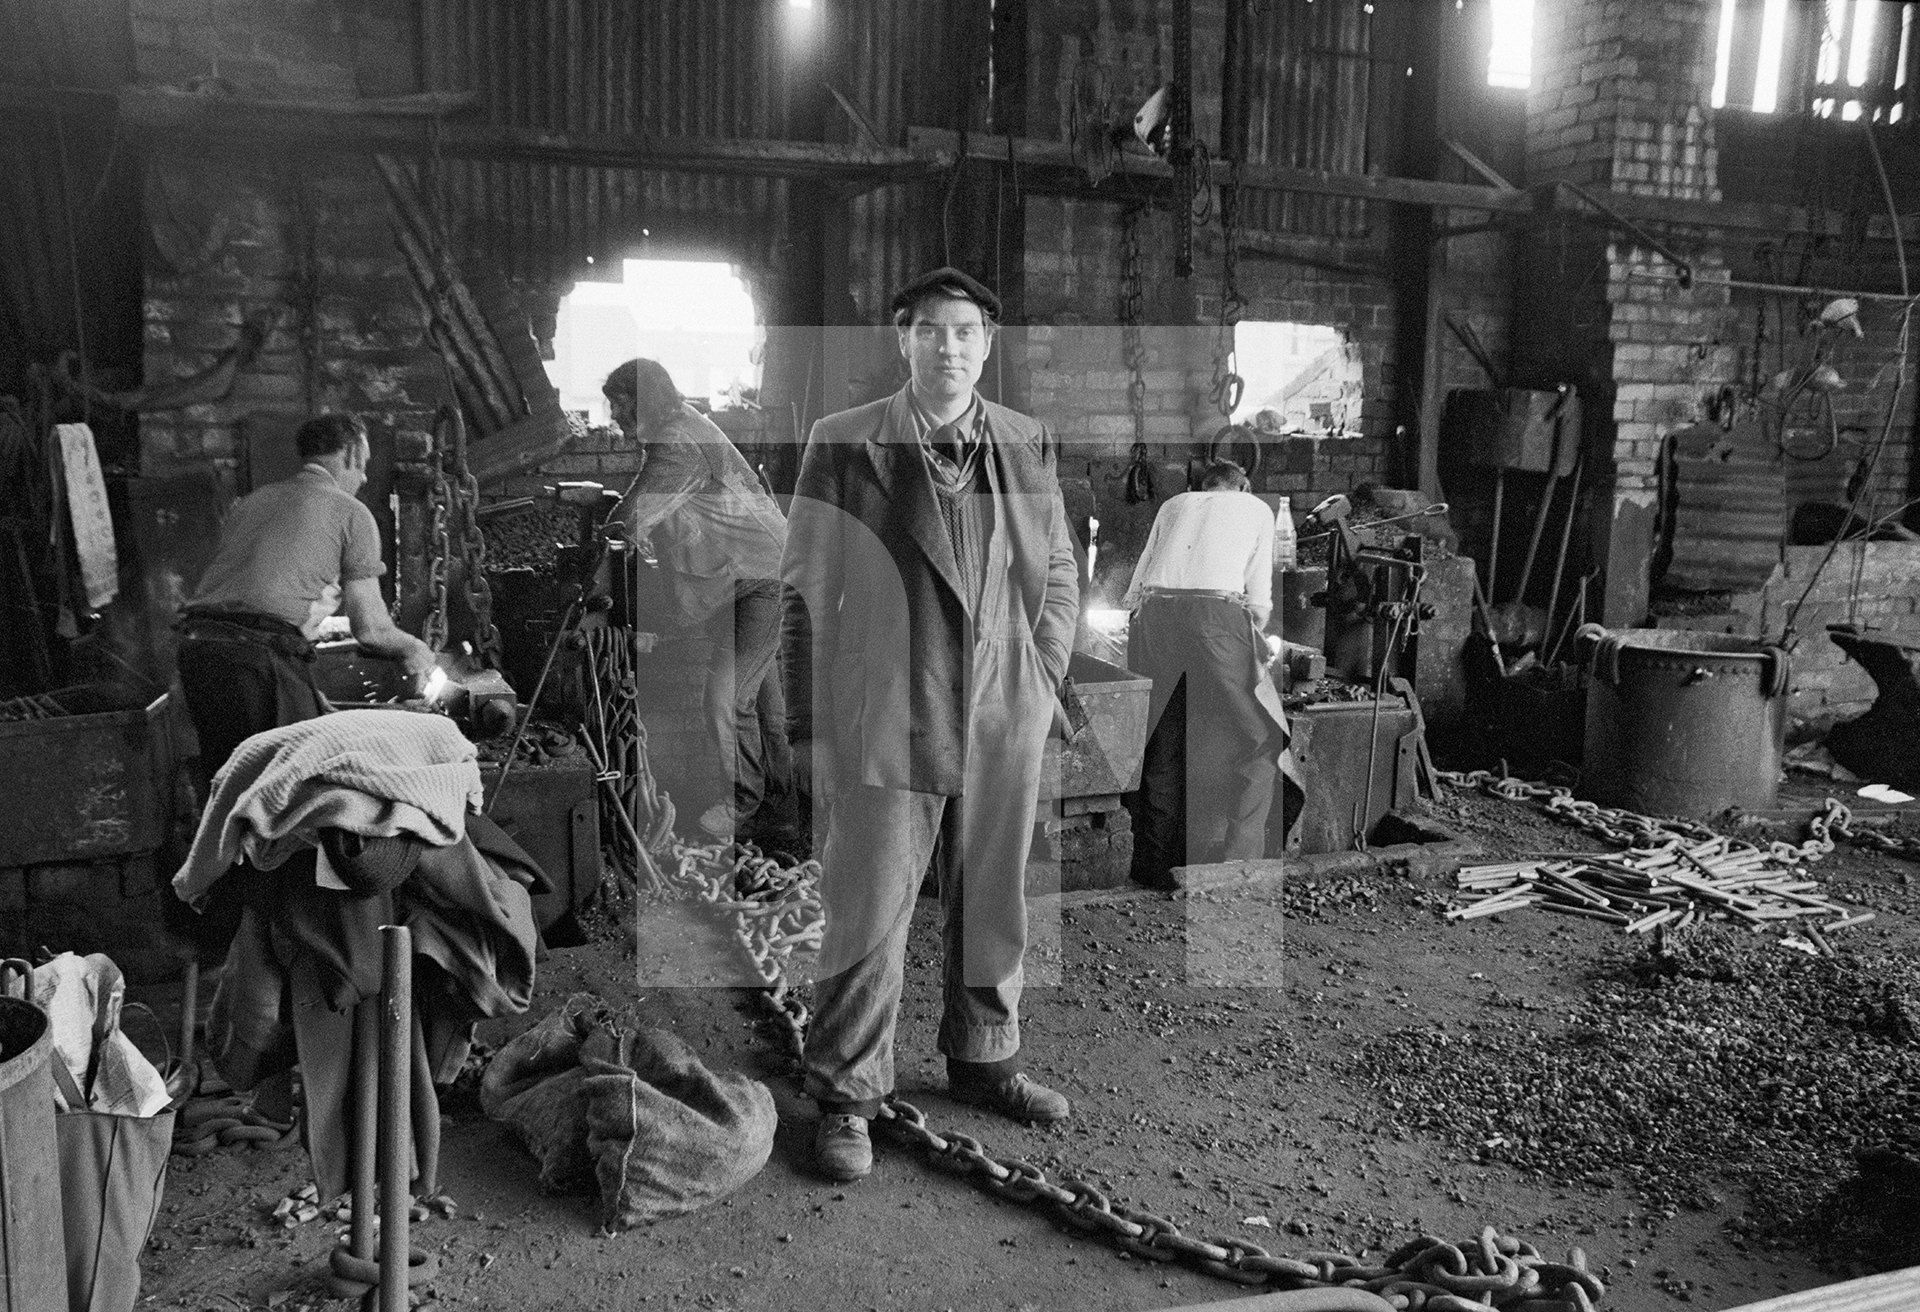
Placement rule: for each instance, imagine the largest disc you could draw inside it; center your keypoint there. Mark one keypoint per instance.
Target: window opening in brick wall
(1301, 378)
(1853, 63)
(1510, 61)
(695, 317)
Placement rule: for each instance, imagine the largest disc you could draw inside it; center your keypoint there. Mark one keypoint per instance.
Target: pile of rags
(343, 824)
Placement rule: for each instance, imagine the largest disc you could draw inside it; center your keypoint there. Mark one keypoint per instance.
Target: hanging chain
(1139, 484)
(473, 550)
(1228, 386)
(439, 542)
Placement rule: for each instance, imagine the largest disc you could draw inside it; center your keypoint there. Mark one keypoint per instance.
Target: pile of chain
(1834, 821)
(1837, 819)
(1642, 832)
(211, 1121)
(776, 909)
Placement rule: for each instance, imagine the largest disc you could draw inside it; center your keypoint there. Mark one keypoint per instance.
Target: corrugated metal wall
(699, 68)
(896, 72)
(683, 68)
(1320, 88)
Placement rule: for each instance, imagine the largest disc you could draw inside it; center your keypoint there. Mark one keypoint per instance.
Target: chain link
(777, 909)
(1644, 833)
(473, 549)
(1139, 484)
(439, 541)
(1228, 386)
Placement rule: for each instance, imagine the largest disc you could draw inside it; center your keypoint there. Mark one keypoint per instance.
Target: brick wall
(298, 241)
(1619, 100)
(1873, 585)
(292, 241)
(1078, 379)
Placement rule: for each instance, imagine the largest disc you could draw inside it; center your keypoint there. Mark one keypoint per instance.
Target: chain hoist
(1139, 480)
(433, 629)
(477, 590)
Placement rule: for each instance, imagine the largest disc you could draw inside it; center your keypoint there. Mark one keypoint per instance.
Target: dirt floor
(1270, 1061)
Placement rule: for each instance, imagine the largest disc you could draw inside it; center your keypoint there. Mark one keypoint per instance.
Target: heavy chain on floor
(1631, 829)
(776, 909)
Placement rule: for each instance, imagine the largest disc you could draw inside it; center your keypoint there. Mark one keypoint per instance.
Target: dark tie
(949, 441)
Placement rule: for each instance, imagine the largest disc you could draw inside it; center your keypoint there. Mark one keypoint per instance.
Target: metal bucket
(1683, 723)
(33, 1248)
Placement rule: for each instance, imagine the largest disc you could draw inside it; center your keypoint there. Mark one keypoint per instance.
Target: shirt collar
(971, 419)
(316, 471)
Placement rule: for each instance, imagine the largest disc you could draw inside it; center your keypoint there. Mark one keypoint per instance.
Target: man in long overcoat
(928, 620)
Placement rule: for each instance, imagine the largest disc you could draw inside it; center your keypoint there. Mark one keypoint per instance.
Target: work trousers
(238, 684)
(237, 687)
(1207, 778)
(879, 845)
(741, 703)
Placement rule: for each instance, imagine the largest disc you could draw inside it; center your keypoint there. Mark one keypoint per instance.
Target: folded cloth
(376, 773)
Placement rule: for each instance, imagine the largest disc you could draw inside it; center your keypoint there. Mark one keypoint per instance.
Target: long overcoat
(874, 629)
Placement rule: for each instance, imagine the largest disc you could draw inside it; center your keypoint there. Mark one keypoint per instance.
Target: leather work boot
(842, 1148)
(1016, 1097)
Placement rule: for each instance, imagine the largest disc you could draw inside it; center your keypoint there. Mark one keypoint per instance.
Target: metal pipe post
(366, 1115)
(189, 1004)
(396, 1130)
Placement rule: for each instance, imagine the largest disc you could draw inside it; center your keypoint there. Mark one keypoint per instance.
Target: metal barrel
(33, 1246)
(1683, 723)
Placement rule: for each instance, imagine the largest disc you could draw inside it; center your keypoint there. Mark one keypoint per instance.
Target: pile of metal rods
(34, 706)
(641, 815)
(1677, 885)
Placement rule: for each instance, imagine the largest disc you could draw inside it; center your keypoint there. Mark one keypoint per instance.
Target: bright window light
(1906, 41)
(1301, 378)
(1723, 53)
(1828, 69)
(799, 4)
(1510, 62)
(694, 316)
(1773, 44)
(1862, 45)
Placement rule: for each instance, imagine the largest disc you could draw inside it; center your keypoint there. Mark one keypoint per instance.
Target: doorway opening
(695, 317)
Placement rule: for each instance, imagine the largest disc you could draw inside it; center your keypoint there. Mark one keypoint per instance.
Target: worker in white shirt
(1200, 596)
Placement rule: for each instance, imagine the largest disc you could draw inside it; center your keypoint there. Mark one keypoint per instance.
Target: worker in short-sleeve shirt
(290, 555)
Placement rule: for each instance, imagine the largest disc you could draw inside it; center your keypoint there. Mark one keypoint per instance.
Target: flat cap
(947, 279)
